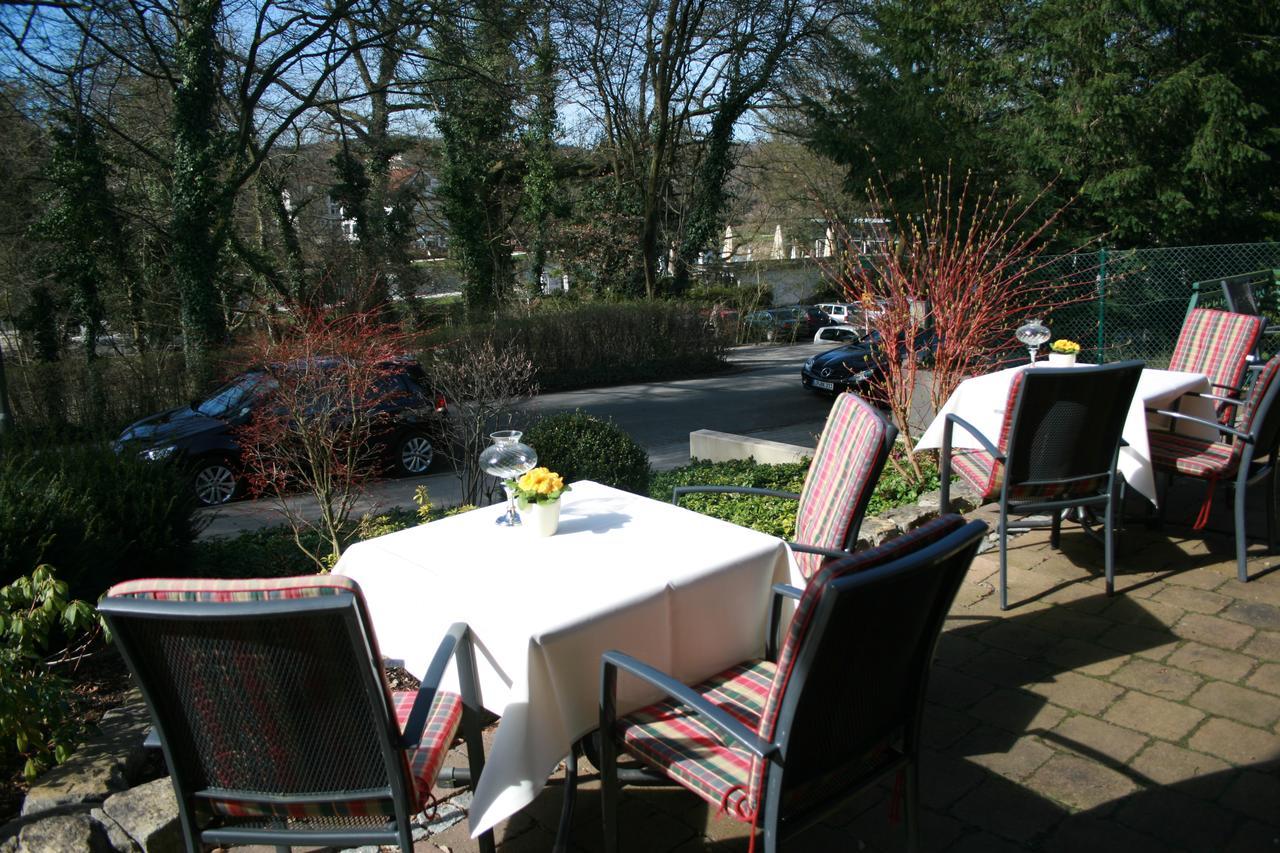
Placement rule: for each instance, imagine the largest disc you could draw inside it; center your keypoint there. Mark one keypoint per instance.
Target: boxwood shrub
(578, 446)
(99, 518)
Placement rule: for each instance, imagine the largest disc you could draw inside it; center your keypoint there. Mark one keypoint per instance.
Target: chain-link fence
(1141, 295)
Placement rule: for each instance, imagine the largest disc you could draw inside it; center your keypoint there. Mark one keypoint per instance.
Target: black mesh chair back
(272, 709)
(1241, 299)
(1067, 422)
(853, 705)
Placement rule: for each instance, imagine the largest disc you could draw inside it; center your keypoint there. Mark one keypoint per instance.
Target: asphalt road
(760, 394)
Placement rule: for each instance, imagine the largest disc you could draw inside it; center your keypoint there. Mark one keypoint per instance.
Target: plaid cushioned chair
(274, 715)
(1217, 344)
(851, 453)
(1248, 454)
(1057, 449)
(780, 744)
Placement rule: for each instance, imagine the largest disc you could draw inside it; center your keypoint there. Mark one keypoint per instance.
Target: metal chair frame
(955, 551)
(123, 613)
(1257, 463)
(1107, 499)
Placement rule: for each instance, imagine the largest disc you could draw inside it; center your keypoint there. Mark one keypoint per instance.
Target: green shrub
(37, 720)
(777, 516)
(100, 518)
(578, 446)
(606, 343)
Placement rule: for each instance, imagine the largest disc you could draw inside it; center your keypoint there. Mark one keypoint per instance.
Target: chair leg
(1242, 543)
(1271, 507)
(609, 791)
(1055, 530)
(564, 830)
(911, 806)
(1109, 542)
(1004, 560)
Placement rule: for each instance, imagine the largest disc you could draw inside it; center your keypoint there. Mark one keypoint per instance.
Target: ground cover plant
(777, 516)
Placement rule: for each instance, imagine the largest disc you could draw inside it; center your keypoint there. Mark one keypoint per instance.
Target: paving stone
(1079, 782)
(1065, 624)
(954, 649)
(1008, 809)
(1166, 764)
(1267, 591)
(1180, 821)
(1078, 692)
(1155, 644)
(1266, 678)
(1154, 716)
(984, 842)
(1265, 645)
(1008, 669)
(945, 778)
(1157, 679)
(1190, 598)
(1237, 703)
(1255, 614)
(1020, 639)
(1256, 794)
(1235, 743)
(999, 752)
(1092, 738)
(1213, 662)
(955, 689)
(1083, 832)
(943, 726)
(1086, 658)
(1213, 631)
(1200, 578)
(1254, 837)
(1017, 711)
(1147, 614)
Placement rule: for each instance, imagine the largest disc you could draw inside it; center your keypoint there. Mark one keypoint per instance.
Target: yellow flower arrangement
(539, 486)
(1065, 346)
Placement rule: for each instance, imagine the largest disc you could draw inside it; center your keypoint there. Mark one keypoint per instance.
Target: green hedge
(777, 516)
(97, 517)
(581, 345)
(578, 446)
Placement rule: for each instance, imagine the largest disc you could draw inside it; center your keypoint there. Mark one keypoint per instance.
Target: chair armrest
(815, 549)
(1244, 436)
(612, 661)
(678, 491)
(780, 591)
(456, 641)
(973, 431)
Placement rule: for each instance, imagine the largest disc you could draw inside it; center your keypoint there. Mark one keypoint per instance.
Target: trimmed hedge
(99, 518)
(777, 516)
(578, 446)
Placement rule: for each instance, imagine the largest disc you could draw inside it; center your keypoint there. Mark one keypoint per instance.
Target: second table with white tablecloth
(684, 592)
(982, 400)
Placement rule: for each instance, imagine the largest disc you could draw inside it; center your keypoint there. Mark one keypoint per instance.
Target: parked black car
(201, 437)
(858, 366)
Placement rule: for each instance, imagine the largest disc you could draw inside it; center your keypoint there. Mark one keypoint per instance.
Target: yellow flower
(1063, 345)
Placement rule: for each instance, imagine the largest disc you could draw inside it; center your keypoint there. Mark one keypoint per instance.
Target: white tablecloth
(981, 401)
(681, 591)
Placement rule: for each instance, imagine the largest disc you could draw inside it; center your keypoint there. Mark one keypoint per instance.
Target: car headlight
(155, 454)
(809, 364)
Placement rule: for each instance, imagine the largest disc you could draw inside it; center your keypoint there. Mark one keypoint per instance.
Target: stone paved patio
(1149, 721)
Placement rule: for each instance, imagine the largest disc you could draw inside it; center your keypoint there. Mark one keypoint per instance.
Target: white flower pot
(1062, 359)
(541, 519)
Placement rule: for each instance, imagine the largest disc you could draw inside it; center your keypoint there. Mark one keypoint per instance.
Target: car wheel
(215, 482)
(414, 455)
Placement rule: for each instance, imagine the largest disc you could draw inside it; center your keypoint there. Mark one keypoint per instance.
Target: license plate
(825, 386)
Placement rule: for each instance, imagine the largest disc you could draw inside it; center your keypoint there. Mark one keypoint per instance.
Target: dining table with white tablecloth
(684, 592)
(982, 400)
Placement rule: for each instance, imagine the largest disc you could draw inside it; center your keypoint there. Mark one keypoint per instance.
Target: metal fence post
(1102, 305)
